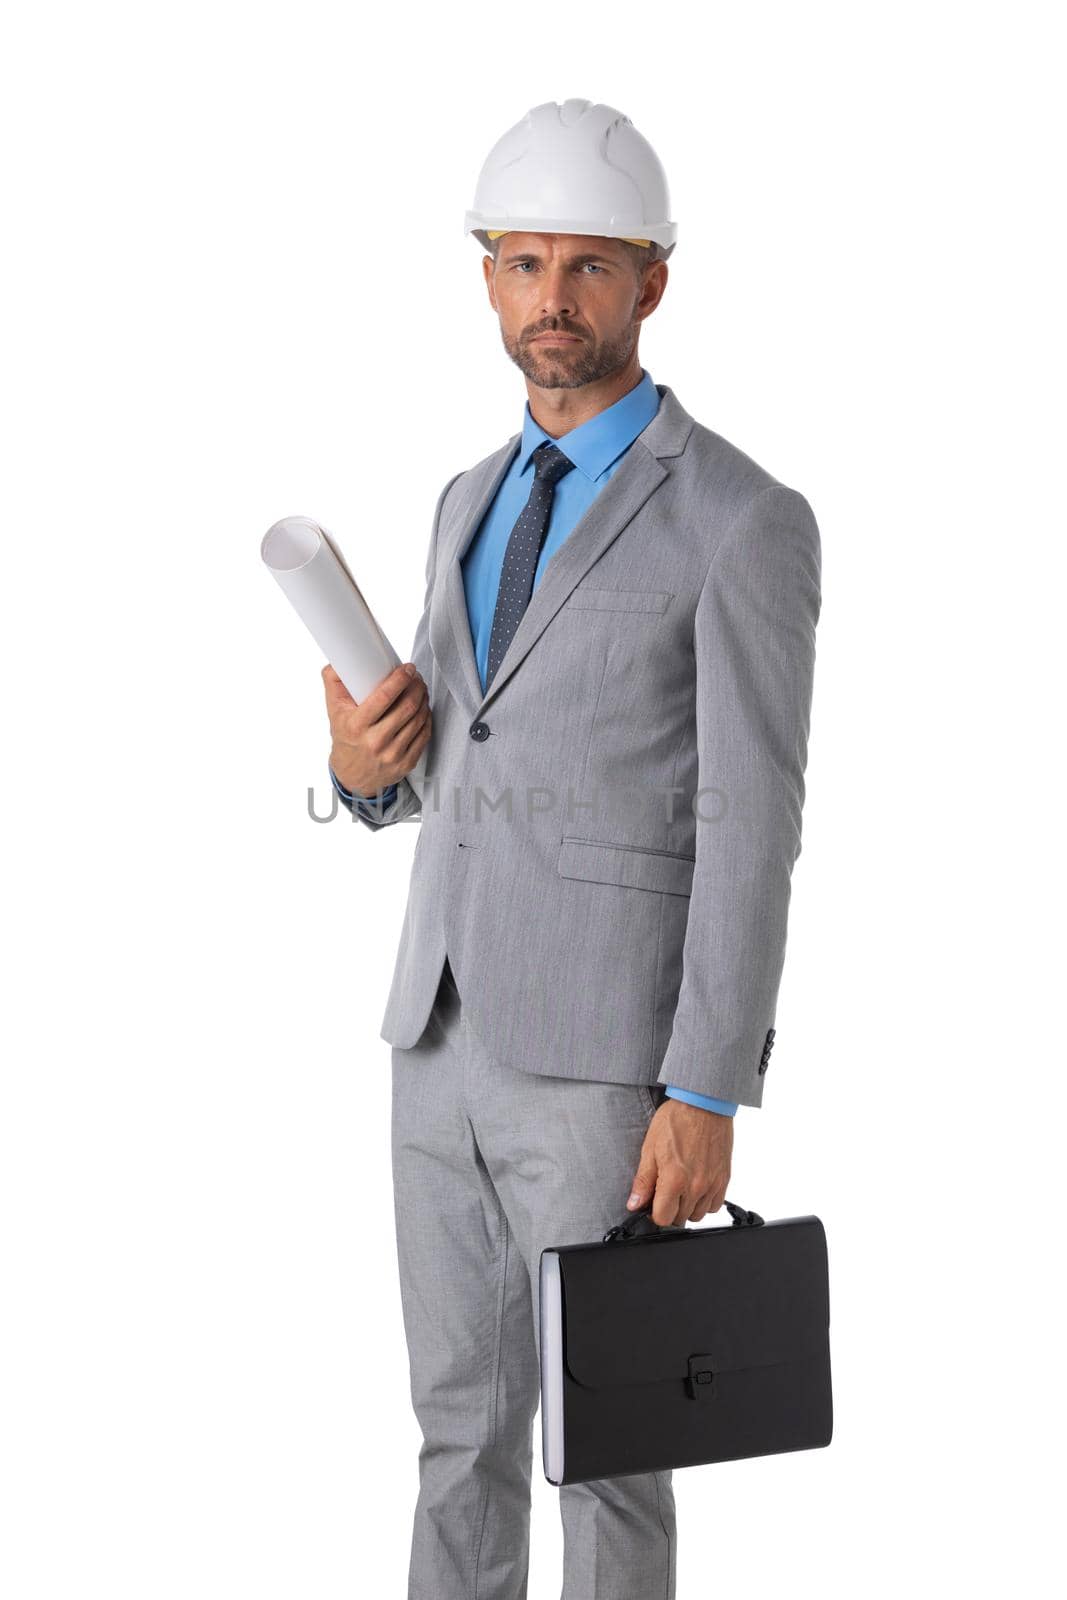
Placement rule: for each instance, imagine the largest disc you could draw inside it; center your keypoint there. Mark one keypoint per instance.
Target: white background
(236, 288)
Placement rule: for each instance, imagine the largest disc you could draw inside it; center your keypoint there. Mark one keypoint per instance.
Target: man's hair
(641, 255)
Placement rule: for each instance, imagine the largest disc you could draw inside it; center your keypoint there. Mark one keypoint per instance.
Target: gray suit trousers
(490, 1165)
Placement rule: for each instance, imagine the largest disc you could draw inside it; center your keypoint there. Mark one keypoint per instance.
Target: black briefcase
(673, 1347)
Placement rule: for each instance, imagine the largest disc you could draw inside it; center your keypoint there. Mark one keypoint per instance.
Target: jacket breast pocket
(631, 600)
(629, 865)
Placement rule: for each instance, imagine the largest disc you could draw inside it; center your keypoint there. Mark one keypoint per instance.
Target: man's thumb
(337, 696)
(644, 1185)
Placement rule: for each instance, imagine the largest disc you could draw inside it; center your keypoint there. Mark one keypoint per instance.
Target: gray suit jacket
(607, 835)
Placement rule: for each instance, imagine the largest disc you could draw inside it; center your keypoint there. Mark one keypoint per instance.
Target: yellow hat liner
(497, 233)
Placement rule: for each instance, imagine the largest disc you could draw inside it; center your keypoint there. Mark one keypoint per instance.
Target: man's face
(569, 304)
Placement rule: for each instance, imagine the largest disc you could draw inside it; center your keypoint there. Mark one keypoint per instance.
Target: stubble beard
(570, 368)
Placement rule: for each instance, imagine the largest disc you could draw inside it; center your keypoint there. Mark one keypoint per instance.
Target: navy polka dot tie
(524, 548)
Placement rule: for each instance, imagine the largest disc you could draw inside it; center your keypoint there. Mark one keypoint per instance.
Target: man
(617, 644)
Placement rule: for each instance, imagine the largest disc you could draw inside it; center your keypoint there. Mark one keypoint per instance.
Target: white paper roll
(314, 575)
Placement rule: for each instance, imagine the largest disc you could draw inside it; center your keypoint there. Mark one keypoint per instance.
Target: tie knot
(550, 464)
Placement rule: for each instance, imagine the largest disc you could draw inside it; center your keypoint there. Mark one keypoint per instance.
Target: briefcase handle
(639, 1223)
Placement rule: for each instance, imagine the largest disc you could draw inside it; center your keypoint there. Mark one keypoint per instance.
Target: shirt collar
(595, 444)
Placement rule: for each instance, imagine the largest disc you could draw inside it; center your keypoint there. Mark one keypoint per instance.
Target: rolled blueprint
(314, 575)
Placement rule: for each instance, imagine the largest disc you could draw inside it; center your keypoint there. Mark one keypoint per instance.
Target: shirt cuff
(388, 795)
(345, 794)
(725, 1108)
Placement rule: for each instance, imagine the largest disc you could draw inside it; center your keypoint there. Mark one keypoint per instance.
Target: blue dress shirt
(596, 447)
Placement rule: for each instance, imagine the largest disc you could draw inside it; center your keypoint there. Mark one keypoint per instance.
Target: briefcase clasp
(700, 1382)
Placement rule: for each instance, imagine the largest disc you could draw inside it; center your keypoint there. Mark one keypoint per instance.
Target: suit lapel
(638, 476)
(450, 632)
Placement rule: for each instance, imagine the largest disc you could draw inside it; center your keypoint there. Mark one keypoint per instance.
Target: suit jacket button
(479, 731)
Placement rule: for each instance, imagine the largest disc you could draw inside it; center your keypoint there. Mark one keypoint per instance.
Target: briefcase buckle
(700, 1382)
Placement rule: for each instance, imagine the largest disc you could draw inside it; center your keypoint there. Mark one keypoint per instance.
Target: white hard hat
(573, 168)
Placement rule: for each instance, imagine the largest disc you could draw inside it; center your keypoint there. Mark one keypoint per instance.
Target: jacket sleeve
(385, 798)
(754, 647)
(399, 800)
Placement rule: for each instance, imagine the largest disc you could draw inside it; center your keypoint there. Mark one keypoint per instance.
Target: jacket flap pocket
(619, 599)
(628, 865)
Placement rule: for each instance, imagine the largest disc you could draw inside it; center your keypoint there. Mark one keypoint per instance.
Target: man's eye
(597, 268)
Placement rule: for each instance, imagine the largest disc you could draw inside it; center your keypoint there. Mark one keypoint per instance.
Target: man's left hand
(685, 1164)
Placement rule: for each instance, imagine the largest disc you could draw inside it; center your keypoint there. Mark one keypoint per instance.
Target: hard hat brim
(664, 234)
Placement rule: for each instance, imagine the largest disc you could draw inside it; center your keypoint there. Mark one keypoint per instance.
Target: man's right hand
(377, 740)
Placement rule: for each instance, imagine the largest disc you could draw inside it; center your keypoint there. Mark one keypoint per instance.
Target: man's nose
(557, 293)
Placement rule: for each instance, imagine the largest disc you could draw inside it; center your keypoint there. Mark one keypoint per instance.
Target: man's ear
(487, 271)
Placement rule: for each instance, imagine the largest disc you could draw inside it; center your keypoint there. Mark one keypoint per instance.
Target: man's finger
(670, 1204)
(413, 736)
(377, 701)
(381, 697)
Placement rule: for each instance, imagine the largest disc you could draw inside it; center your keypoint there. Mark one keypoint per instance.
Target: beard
(570, 366)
